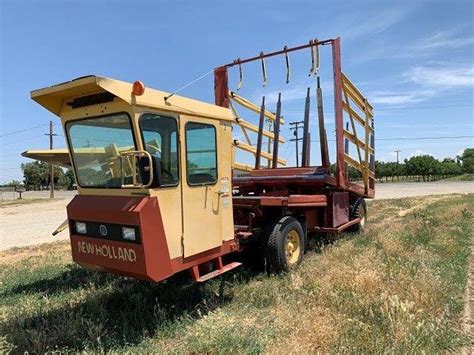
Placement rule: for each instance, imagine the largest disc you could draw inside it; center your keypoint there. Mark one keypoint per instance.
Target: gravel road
(33, 223)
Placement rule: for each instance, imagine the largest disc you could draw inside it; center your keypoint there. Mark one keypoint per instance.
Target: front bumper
(147, 260)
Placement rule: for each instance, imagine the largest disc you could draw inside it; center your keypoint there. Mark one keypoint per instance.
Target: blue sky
(413, 59)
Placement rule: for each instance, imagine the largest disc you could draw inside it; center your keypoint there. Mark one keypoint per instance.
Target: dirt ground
(32, 223)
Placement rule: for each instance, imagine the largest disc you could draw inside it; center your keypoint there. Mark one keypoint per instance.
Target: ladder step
(218, 272)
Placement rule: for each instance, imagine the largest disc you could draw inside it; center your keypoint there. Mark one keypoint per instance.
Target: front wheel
(285, 245)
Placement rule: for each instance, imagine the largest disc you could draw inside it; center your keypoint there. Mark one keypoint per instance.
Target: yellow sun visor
(58, 157)
(54, 98)
(68, 95)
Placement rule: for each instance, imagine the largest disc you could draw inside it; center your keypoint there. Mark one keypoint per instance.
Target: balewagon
(160, 189)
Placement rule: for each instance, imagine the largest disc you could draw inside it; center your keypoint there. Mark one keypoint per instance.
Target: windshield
(95, 145)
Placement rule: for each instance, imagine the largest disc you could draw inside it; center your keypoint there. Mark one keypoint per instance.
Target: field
(398, 287)
(463, 177)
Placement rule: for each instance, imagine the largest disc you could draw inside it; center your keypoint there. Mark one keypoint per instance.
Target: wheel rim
(363, 216)
(292, 247)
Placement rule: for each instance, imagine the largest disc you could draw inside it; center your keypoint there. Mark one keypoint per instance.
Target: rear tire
(285, 245)
(359, 210)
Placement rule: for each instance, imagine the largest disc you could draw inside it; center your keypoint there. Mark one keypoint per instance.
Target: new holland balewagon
(159, 187)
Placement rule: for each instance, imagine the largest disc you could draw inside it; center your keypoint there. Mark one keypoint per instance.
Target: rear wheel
(285, 245)
(359, 210)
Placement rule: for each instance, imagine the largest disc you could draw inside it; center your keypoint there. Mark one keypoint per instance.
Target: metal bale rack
(311, 186)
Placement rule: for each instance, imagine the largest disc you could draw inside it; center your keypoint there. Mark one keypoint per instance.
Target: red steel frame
(341, 182)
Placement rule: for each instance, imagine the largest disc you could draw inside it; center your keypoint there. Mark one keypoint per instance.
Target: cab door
(206, 184)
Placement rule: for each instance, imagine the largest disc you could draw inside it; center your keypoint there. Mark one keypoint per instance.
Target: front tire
(285, 245)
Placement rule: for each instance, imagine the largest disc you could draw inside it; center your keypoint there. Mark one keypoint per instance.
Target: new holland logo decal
(107, 251)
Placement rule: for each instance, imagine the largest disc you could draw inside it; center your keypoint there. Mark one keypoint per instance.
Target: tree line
(37, 176)
(421, 168)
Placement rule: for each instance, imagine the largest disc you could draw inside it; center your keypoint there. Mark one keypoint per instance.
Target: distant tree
(66, 180)
(14, 183)
(37, 174)
(379, 169)
(423, 165)
(449, 167)
(467, 160)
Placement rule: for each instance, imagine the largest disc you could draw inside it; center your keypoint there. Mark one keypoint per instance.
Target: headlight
(81, 228)
(128, 233)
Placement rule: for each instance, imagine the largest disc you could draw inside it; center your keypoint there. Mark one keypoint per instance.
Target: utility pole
(51, 173)
(398, 152)
(295, 126)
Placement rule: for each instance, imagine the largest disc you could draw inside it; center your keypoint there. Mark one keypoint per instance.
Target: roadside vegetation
(422, 168)
(397, 287)
(463, 177)
(427, 168)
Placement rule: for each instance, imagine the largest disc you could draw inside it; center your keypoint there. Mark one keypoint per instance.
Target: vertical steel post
(308, 149)
(305, 155)
(269, 142)
(323, 139)
(346, 149)
(276, 133)
(336, 61)
(260, 134)
(372, 155)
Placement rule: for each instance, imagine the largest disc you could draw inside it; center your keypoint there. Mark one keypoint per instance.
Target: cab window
(201, 153)
(159, 134)
(96, 144)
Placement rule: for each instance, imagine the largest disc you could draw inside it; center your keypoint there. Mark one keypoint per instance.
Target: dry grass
(26, 201)
(35, 255)
(395, 288)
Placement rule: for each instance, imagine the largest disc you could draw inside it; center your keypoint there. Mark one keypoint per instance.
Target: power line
(410, 138)
(23, 130)
(416, 138)
(19, 141)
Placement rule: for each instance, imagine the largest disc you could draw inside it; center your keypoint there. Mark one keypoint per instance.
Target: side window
(160, 140)
(201, 153)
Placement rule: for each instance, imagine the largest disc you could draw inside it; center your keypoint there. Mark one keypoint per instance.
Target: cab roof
(56, 98)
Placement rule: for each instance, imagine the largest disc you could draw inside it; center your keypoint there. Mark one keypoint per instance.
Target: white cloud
(398, 98)
(445, 39)
(441, 77)
(430, 81)
(377, 23)
(297, 93)
(417, 152)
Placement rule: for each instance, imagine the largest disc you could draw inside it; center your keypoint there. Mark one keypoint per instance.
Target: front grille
(112, 231)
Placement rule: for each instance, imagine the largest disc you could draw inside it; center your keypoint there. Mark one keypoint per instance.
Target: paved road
(411, 189)
(32, 223)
